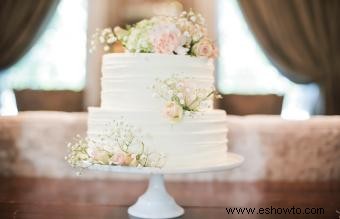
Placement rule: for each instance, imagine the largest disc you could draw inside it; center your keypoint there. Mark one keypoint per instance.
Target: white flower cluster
(120, 145)
(78, 156)
(105, 37)
(192, 25)
(182, 35)
(182, 96)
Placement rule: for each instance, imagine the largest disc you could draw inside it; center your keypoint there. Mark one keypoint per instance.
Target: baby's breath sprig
(78, 152)
(106, 37)
(193, 24)
(182, 96)
(119, 145)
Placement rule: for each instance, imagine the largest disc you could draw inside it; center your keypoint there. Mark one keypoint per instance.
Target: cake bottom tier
(200, 138)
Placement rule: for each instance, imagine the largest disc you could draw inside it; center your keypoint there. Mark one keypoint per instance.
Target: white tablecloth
(34, 144)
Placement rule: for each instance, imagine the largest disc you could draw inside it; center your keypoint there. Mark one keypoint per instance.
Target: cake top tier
(148, 81)
(185, 34)
(157, 59)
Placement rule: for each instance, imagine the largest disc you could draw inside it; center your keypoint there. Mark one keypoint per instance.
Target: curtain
(301, 38)
(21, 23)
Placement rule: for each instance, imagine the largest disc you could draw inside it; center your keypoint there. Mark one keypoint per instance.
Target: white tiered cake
(157, 98)
(127, 79)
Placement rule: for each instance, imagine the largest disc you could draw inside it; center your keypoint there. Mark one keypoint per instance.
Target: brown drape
(302, 38)
(21, 23)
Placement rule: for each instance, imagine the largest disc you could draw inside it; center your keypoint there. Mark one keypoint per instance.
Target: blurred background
(275, 58)
(280, 58)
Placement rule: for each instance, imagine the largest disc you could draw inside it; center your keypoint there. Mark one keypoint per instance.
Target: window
(244, 69)
(57, 60)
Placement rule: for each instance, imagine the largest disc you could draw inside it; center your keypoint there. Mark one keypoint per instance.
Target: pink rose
(206, 48)
(166, 38)
(118, 158)
(173, 111)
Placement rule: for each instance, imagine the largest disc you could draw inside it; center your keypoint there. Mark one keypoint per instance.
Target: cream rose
(120, 32)
(173, 111)
(205, 47)
(101, 156)
(132, 161)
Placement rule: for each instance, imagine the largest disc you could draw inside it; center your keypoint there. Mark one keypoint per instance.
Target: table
(77, 198)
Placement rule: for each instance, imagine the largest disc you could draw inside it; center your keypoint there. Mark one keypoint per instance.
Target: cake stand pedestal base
(156, 201)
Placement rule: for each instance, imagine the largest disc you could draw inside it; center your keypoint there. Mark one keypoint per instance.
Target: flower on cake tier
(185, 34)
(121, 145)
(192, 25)
(204, 47)
(182, 96)
(168, 39)
(119, 158)
(173, 111)
(101, 156)
(105, 37)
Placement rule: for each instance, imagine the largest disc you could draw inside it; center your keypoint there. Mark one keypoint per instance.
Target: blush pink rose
(173, 111)
(166, 38)
(118, 158)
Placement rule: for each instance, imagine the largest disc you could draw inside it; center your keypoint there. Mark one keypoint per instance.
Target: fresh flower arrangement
(182, 35)
(182, 97)
(121, 145)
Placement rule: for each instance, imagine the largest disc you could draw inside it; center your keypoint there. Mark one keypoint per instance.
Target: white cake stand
(156, 201)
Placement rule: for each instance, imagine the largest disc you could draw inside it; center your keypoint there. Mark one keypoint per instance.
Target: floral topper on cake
(120, 145)
(182, 35)
(182, 97)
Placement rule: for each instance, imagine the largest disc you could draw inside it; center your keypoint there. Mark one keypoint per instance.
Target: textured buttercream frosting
(199, 138)
(127, 78)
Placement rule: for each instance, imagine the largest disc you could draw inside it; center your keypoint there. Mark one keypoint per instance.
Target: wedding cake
(156, 99)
